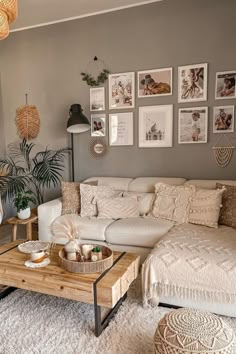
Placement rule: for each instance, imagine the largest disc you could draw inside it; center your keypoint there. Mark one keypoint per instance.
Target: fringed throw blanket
(192, 262)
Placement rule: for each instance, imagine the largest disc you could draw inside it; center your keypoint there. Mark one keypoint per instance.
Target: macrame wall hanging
(223, 152)
(95, 73)
(27, 121)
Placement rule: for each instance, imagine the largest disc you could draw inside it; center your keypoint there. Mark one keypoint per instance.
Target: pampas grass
(65, 226)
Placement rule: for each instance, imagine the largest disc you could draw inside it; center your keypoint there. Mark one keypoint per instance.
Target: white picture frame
(122, 90)
(225, 85)
(121, 129)
(192, 83)
(193, 125)
(98, 125)
(156, 126)
(223, 119)
(155, 82)
(97, 99)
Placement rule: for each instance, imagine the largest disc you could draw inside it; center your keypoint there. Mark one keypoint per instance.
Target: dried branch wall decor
(27, 121)
(223, 153)
(102, 74)
(8, 14)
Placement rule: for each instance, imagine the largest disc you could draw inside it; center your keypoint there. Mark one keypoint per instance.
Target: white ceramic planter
(24, 214)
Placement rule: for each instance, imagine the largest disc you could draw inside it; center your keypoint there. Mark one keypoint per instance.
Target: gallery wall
(46, 62)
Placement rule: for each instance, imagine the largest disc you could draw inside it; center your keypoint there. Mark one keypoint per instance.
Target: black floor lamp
(77, 123)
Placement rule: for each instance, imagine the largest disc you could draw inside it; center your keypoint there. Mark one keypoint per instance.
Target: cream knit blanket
(192, 262)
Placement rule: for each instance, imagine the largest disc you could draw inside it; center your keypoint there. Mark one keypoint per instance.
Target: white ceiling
(35, 13)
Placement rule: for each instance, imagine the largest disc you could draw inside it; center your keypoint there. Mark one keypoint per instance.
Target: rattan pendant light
(27, 121)
(8, 14)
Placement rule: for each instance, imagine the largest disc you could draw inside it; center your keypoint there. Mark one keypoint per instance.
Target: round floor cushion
(193, 332)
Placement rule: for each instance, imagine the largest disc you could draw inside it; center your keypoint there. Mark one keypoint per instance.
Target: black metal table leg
(100, 323)
(6, 292)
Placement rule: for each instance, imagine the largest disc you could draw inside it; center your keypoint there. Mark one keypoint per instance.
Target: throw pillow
(172, 202)
(89, 196)
(228, 211)
(71, 196)
(145, 201)
(117, 208)
(205, 207)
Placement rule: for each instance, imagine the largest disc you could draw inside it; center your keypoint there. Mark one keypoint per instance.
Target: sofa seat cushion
(93, 228)
(141, 232)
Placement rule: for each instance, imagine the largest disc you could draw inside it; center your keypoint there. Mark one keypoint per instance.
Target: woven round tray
(88, 266)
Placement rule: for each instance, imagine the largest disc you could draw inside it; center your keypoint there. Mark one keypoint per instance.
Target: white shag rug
(34, 323)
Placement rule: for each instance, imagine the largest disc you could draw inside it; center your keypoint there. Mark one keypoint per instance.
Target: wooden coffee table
(108, 289)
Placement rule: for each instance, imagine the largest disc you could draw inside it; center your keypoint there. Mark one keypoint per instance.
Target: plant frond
(21, 151)
(10, 167)
(10, 186)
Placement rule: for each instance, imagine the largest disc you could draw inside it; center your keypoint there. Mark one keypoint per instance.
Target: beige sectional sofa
(167, 246)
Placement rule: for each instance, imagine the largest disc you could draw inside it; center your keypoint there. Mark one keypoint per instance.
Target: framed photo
(97, 99)
(121, 129)
(156, 126)
(193, 124)
(192, 83)
(98, 125)
(225, 85)
(223, 119)
(157, 82)
(121, 90)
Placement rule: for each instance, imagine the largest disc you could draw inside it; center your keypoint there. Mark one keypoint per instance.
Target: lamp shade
(77, 122)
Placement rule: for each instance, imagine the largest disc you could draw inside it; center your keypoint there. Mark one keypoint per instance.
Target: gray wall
(46, 62)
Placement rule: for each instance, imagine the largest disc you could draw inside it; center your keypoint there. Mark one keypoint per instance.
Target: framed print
(121, 90)
(156, 126)
(98, 125)
(225, 85)
(193, 124)
(97, 99)
(121, 129)
(156, 82)
(192, 83)
(223, 119)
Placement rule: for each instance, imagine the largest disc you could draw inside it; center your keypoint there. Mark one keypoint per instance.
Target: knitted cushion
(187, 331)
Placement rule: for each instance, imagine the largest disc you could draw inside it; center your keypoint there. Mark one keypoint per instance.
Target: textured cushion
(89, 195)
(228, 211)
(142, 232)
(186, 331)
(117, 208)
(208, 183)
(145, 201)
(146, 184)
(71, 196)
(205, 207)
(172, 202)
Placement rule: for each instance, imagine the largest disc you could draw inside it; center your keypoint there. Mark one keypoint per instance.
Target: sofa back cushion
(117, 183)
(117, 208)
(147, 184)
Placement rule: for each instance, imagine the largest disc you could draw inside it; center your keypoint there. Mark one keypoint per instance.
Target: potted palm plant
(21, 202)
(35, 171)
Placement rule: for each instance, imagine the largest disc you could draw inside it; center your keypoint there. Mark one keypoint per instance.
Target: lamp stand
(72, 157)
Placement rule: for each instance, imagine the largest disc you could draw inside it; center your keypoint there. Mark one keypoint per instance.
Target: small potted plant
(21, 202)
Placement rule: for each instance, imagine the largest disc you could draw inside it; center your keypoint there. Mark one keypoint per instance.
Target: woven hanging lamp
(27, 121)
(8, 14)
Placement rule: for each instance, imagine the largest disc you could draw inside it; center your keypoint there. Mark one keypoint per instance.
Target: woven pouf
(193, 332)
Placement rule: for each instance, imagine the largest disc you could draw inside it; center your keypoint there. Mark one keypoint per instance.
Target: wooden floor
(5, 233)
